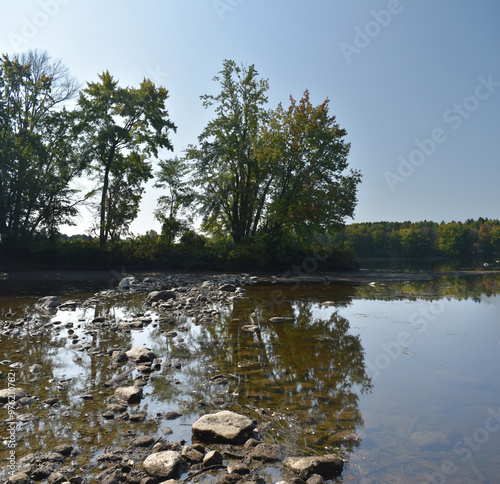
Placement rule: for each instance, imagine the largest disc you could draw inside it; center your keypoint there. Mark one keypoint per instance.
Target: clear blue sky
(416, 83)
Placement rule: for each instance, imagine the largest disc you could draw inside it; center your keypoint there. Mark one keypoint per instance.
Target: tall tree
(229, 177)
(37, 157)
(122, 129)
(307, 158)
(172, 177)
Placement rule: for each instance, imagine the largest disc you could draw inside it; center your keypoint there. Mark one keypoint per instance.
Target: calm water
(400, 377)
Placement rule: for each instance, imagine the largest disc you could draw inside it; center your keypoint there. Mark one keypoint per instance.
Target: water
(400, 377)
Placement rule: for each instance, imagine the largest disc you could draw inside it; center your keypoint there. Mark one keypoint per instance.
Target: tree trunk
(103, 233)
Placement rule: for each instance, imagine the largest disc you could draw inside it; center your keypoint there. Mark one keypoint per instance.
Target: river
(400, 377)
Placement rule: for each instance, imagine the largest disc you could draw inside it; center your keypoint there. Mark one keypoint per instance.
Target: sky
(416, 83)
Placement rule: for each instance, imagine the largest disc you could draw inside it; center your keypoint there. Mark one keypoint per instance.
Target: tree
(37, 153)
(122, 129)
(231, 182)
(306, 154)
(171, 176)
(276, 174)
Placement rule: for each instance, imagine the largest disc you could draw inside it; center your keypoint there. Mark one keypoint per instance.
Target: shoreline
(263, 278)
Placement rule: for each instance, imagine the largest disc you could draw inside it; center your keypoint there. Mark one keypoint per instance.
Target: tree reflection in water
(303, 377)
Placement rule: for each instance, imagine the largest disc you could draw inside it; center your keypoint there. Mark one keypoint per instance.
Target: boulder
(156, 296)
(328, 466)
(163, 465)
(48, 302)
(140, 354)
(224, 427)
(130, 394)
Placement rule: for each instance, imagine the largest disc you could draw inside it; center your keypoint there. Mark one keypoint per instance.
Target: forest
(472, 238)
(261, 188)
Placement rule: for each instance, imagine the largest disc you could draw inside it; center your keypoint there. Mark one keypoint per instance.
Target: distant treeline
(473, 238)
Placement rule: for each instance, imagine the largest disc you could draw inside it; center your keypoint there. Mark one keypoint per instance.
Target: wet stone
(131, 394)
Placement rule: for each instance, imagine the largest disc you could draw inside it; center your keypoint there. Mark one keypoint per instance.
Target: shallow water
(400, 377)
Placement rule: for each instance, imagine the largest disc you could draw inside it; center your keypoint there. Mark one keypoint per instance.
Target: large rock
(48, 302)
(11, 394)
(225, 427)
(140, 354)
(156, 296)
(328, 466)
(129, 394)
(163, 465)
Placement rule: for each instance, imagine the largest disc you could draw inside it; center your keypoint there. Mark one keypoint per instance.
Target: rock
(212, 458)
(129, 394)
(315, 479)
(192, 453)
(64, 449)
(11, 393)
(20, 478)
(238, 469)
(172, 415)
(48, 302)
(126, 282)
(266, 452)
(140, 354)
(163, 465)
(119, 356)
(428, 439)
(281, 319)
(227, 288)
(328, 466)
(35, 368)
(143, 441)
(56, 478)
(156, 296)
(250, 328)
(225, 427)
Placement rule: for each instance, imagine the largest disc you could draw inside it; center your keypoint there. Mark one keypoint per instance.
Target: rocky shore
(226, 446)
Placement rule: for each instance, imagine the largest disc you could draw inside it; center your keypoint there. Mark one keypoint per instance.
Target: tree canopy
(273, 173)
(121, 129)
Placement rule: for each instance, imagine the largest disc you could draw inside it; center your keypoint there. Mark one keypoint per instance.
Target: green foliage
(37, 155)
(227, 173)
(423, 239)
(306, 158)
(275, 175)
(121, 129)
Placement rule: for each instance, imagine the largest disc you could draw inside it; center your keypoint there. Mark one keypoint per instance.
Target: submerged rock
(225, 426)
(328, 466)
